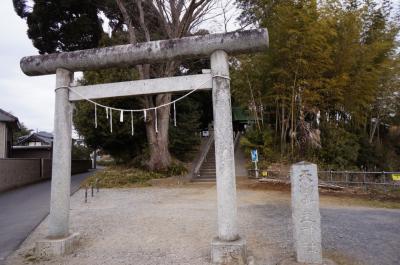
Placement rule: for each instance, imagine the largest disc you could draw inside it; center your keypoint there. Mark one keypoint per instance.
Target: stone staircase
(207, 169)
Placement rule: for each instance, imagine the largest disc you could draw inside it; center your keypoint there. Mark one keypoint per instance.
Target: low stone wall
(18, 172)
(31, 152)
(15, 172)
(46, 168)
(80, 166)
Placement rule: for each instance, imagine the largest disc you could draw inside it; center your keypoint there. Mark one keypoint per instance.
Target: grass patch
(175, 169)
(121, 177)
(106, 163)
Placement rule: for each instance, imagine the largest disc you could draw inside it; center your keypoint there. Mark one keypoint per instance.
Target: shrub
(339, 147)
(80, 152)
(260, 140)
(121, 177)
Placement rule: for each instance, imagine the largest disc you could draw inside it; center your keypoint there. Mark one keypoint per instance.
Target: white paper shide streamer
(155, 118)
(132, 128)
(95, 116)
(121, 118)
(174, 115)
(111, 120)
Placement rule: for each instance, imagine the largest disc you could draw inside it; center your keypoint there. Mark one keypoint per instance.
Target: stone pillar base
(228, 252)
(56, 247)
(292, 261)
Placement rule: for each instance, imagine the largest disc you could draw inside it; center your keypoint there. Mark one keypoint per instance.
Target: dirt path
(175, 226)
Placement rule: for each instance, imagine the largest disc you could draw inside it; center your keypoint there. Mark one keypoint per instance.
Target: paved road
(370, 236)
(21, 210)
(353, 235)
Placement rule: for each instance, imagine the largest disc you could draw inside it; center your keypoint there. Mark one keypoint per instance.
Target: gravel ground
(176, 225)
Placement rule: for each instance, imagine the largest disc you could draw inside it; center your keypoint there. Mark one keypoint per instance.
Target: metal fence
(374, 180)
(366, 179)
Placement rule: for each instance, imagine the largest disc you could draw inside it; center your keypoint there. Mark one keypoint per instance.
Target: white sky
(31, 99)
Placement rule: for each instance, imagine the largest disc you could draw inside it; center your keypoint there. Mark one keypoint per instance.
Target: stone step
(206, 176)
(207, 172)
(203, 180)
(208, 166)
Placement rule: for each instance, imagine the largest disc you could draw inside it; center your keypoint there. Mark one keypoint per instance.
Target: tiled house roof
(44, 137)
(9, 118)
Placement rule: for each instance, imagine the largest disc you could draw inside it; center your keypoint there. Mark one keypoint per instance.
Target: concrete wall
(31, 152)
(3, 140)
(9, 141)
(18, 172)
(80, 166)
(46, 168)
(15, 172)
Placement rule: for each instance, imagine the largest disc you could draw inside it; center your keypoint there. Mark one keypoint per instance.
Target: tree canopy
(330, 76)
(120, 143)
(327, 89)
(61, 25)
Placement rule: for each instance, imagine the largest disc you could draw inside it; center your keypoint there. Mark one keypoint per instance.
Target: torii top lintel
(147, 52)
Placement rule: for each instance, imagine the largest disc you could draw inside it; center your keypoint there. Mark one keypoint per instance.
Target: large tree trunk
(157, 126)
(157, 138)
(177, 19)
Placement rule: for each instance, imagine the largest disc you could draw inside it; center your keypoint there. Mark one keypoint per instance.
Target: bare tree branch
(127, 21)
(163, 17)
(141, 20)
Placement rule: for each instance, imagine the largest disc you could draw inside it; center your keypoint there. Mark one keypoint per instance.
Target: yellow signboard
(264, 173)
(396, 177)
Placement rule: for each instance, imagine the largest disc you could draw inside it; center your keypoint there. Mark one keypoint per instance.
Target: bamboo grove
(328, 88)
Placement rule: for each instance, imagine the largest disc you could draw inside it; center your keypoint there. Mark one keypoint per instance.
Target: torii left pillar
(59, 240)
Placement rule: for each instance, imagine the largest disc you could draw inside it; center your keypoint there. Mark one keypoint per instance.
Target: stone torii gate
(228, 247)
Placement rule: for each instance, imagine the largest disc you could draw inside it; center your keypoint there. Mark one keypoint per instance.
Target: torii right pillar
(228, 247)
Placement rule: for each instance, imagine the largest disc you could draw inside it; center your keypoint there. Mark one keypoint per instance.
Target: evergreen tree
(24, 131)
(61, 25)
(330, 63)
(120, 143)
